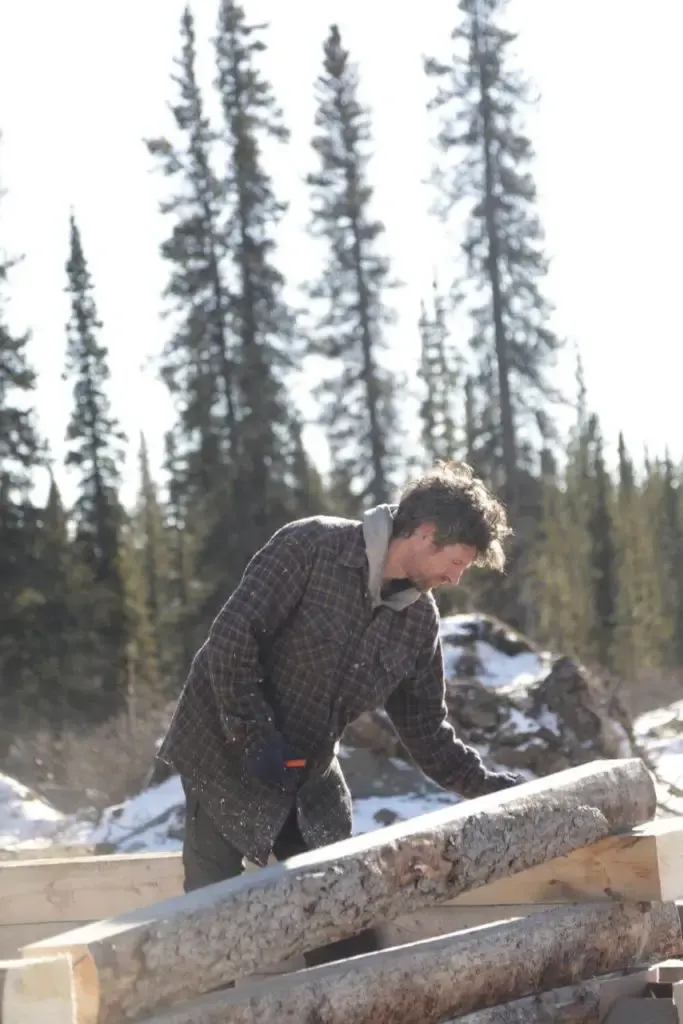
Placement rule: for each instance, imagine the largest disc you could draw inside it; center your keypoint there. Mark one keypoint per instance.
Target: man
(332, 617)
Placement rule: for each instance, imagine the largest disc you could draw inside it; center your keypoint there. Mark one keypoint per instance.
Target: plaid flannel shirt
(299, 648)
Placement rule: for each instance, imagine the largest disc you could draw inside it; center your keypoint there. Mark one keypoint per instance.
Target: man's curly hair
(462, 509)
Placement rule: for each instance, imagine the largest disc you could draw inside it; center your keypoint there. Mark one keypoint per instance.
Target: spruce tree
(199, 360)
(671, 554)
(440, 371)
(308, 493)
(60, 590)
(626, 476)
(66, 621)
(182, 537)
(20, 453)
(95, 450)
(561, 559)
(140, 660)
(603, 554)
(257, 497)
(344, 500)
(471, 422)
(360, 395)
(20, 448)
(154, 551)
(552, 589)
(644, 626)
(485, 168)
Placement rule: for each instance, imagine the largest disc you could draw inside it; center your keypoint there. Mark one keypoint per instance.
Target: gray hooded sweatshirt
(378, 524)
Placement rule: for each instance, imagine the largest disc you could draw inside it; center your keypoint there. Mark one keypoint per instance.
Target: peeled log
(196, 942)
(454, 975)
(37, 991)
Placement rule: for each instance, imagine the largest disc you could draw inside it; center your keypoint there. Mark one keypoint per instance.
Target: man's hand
(269, 764)
(494, 782)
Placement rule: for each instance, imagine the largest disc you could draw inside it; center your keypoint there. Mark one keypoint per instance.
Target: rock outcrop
(519, 706)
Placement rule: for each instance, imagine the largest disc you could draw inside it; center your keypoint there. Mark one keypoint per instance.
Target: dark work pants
(208, 858)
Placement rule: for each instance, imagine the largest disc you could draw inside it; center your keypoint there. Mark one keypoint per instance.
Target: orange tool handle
(296, 763)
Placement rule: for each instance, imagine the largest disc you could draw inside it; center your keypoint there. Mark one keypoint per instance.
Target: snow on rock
(662, 723)
(152, 820)
(521, 707)
(24, 816)
(527, 709)
(482, 647)
(660, 735)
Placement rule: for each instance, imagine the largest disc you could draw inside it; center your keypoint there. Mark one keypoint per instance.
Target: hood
(378, 525)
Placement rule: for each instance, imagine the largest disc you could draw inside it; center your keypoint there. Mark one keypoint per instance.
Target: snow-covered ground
(660, 733)
(24, 816)
(153, 819)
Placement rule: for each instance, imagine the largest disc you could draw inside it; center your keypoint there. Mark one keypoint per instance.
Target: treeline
(605, 577)
(100, 603)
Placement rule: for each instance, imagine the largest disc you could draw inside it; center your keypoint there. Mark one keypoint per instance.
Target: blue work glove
(494, 782)
(268, 764)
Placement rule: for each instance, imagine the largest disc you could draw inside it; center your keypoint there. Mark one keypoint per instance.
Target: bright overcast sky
(82, 82)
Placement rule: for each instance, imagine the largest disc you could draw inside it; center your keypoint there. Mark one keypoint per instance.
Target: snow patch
(461, 637)
(667, 721)
(548, 719)
(146, 821)
(376, 812)
(520, 724)
(25, 816)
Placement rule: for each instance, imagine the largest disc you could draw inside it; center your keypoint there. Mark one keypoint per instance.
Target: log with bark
(454, 975)
(644, 864)
(194, 943)
(586, 1002)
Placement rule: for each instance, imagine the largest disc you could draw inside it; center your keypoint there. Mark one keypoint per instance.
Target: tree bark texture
(427, 981)
(195, 943)
(573, 1004)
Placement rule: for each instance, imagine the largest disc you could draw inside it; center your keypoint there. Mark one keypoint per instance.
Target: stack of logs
(577, 880)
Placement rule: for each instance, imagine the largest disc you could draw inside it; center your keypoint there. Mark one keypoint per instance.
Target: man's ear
(426, 532)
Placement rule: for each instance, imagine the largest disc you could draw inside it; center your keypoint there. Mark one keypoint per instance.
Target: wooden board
(86, 888)
(669, 972)
(13, 937)
(646, 863)
(37, 991)
(677, 994)
(62, 850)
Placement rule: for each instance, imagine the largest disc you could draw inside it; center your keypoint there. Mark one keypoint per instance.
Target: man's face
(429, 566)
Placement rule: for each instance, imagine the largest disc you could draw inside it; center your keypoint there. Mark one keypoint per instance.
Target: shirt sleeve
(418, 711)
(272, 585)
